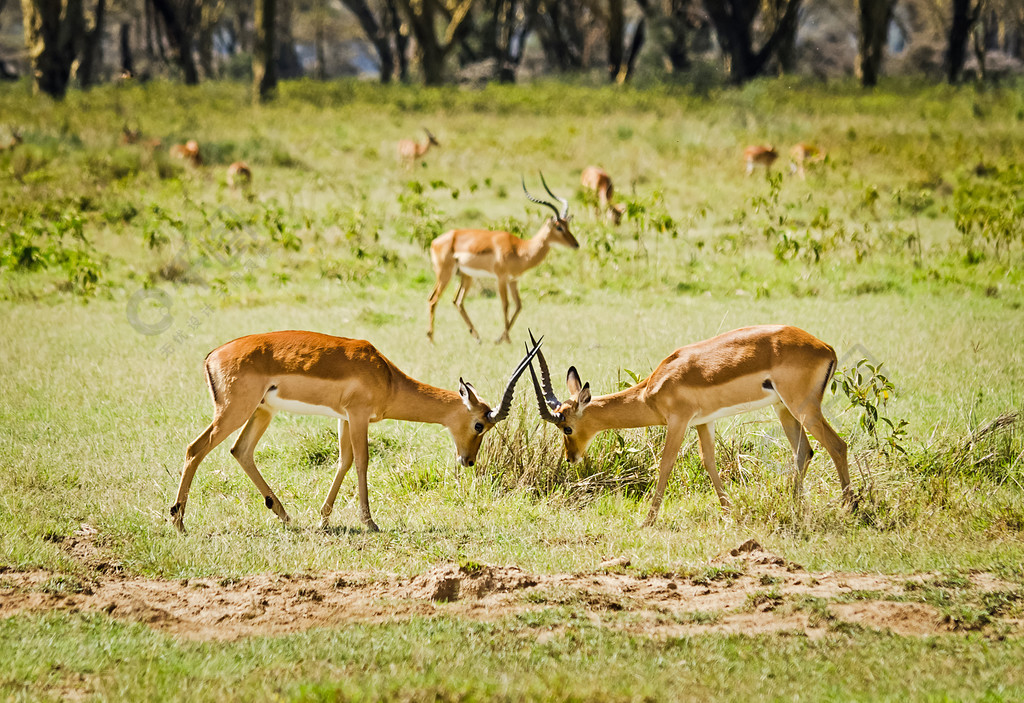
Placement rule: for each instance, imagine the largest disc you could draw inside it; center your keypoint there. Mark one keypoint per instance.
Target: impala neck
(415, 401)
(536, 247)
(623, 410)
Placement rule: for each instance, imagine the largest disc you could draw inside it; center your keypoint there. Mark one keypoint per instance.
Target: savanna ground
(521, 578)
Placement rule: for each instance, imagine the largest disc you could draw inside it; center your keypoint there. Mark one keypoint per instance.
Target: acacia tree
(874, 17)
(423, 17)
(734, 26)
(52, 31)
(181, 18)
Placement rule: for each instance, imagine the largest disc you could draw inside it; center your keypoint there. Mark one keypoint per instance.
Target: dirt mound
(450, 582)
(747, 590)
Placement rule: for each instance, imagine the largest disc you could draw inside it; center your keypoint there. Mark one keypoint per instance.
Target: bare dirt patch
(746, 591)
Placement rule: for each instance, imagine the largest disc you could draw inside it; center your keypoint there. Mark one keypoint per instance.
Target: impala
(239, 175)
(252, 378)
(732, 373)
(804, 154)
(597, 180)
(499, 255)
(764, 155)
(189, 151)
(409, 150)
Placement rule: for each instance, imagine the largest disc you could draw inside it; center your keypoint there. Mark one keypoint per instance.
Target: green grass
(60, 656)
(907, 246)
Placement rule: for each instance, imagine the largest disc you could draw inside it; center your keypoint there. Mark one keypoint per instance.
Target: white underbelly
(476, 273)
(276, 403)
(770, 398)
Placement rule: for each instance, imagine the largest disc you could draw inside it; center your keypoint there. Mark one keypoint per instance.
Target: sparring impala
(252, 378)
(732, 373)
(500, 255)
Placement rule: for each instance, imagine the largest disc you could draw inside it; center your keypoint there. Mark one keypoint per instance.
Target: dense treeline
(81, 42)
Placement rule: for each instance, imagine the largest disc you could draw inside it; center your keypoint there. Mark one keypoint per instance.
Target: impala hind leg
(673, 440)
(344, 463)
(706, 433)
(444, 275)
(802, 451)
(464, 283)
(243, 449)
(226, 419)
(816, 424)
(503, 291)
(358, 429)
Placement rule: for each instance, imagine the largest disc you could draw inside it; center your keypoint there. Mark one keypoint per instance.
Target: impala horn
(501, 412)
(538, 200)
(565, 203)
(546, 400)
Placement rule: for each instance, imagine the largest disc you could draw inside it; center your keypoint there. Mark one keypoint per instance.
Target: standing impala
(409, 150)
(732, 373)
(254, 377)
(500, 255)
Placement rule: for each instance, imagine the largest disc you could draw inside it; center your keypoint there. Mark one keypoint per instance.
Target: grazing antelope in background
(765, 155)
(804, 154)
(239, 175)
(254, 377)
(15, 141)
(597, 180)
(500, 255)
(189, 151)
(732, 373)
(409, 150)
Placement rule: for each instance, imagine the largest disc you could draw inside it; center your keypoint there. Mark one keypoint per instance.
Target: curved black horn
(501, 412)
(565, 203)
(545, 376)
(538, 200)
(542, 406)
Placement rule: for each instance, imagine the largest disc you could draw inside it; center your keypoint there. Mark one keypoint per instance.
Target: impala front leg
(706, 433)
(358, 429)
(673, 440)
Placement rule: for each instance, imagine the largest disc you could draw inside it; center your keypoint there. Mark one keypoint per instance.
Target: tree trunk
(209, 17)
(264, 64)
(635, 44)
(965, 15)
(92, 47)
(377, 34)
(180, 22)
(509, 35)
(875, 16)
(616, 37)
(52, 30)
(288, 65)
(399, 39)
(125, 45)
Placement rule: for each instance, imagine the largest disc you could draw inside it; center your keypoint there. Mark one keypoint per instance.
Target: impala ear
(572, 379)
(468, 395)
(584, 397)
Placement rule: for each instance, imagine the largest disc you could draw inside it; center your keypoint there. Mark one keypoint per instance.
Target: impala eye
(568, 430)
(479, 427)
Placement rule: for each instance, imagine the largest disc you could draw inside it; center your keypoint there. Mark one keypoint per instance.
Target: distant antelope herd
(253, 378)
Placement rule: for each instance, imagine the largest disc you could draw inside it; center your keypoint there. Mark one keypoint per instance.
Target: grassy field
(120, 268)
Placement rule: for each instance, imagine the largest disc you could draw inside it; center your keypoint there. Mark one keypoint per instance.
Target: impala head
(569, 416)
(558, 224)
(469, 428)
